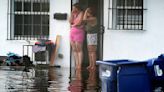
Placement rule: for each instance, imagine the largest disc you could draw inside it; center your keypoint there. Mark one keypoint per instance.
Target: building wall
(57, 27)
(61, 27)
(137, 45)
(7, 45)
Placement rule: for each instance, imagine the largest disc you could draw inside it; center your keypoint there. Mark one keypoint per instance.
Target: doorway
(99, 7)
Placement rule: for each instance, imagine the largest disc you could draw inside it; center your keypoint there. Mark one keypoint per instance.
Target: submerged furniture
(44, 51)
(39, 54)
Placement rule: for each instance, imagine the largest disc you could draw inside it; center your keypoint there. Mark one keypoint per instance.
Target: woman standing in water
(77, 34)
(91, 28)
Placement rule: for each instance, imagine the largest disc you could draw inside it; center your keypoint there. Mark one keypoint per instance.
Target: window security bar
(125, 14)
(28, 19)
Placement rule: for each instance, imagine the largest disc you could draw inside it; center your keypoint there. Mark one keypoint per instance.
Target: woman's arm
(85, 15)
(87, 18)
(79, 19)
(71, 19)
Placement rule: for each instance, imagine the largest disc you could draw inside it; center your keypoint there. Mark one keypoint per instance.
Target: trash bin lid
(120, 62)
(113, 62)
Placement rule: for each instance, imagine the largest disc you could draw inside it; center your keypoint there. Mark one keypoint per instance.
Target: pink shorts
(77, 34)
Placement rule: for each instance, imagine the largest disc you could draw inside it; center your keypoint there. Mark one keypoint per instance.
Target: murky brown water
(13, 79)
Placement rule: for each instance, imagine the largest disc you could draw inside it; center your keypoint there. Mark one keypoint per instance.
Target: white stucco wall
(57, 27)
(137, 45)
(61, 27)
(7, 45)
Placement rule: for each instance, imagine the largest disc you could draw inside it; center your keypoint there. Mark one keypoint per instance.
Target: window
(28, 19)
(126, 15)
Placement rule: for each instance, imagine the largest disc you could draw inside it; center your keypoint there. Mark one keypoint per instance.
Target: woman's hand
(86, 14)
(87, 10)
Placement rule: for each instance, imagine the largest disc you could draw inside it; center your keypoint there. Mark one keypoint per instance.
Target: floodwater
(52, 79)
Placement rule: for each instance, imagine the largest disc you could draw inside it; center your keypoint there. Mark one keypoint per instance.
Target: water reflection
(58, 79)
(51, 74)
(53, 80)
(76, 84)
(14, 79)
(84, 81)
(47, 80)
(92, 82)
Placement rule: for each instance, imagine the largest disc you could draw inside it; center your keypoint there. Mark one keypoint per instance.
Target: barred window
(28, 19)
(126, 15)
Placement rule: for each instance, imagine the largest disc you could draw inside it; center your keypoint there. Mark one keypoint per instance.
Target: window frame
(130, 22)
(13, 11)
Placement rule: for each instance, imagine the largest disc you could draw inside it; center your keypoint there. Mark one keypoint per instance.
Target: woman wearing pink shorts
(77, 34)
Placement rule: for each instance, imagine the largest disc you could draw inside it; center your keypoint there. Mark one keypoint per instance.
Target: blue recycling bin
(124, 76)
(133, 77)
(108, 74)
(156, 71)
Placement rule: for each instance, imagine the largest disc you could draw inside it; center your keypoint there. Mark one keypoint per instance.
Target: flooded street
(52, 79)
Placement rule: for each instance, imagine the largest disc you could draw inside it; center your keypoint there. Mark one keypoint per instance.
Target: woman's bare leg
(79, 47)
(93, 60)
(74, 50)
(90, 59)
(92, 56)
(89, 56)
